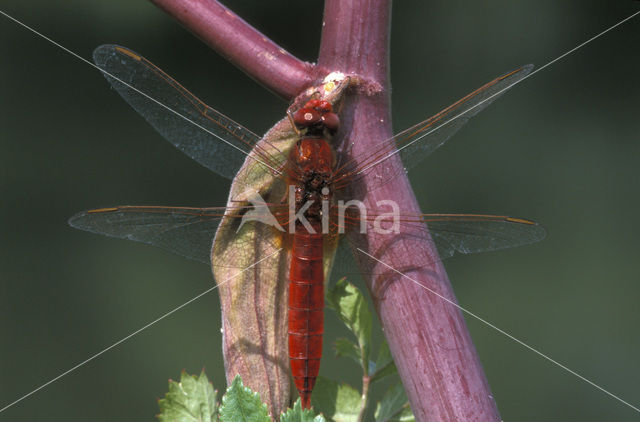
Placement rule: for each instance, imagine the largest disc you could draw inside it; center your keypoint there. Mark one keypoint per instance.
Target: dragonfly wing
(468, 233)
(420, 140)
(185, 231)
(451, 233)
(210, 138)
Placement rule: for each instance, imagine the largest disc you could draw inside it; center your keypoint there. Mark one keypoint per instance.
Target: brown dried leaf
(254, 302)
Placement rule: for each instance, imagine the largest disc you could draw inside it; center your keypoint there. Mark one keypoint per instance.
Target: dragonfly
(287, 193)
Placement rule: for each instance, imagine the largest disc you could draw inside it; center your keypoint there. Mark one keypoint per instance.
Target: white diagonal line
(136, 332)
(522, 343)
(79, 57)
(375, 163)
(497, 93)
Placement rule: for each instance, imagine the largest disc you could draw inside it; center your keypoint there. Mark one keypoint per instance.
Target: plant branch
(428, 338)
(242, 45)
(366, 382)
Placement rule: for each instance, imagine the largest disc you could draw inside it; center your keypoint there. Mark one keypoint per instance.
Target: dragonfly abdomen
(306, 309)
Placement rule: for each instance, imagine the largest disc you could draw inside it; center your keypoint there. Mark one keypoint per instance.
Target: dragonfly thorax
(312, 155)
(313, 160)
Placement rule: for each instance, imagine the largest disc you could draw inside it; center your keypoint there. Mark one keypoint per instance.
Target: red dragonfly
(303, 175)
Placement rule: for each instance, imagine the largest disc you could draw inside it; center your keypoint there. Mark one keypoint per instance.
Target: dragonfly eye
(320, 105)
(324, 106)
(306, 117)
(331, 121)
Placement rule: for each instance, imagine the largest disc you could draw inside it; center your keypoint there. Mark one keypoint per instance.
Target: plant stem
(366, 381)
(242, 45)
(427, 336)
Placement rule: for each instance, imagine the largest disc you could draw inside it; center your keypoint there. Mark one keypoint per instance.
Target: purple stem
(242, 45)
(428, 337)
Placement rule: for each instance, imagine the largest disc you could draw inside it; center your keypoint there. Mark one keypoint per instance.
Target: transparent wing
(207, 136)
(420, 140)
(185, 231)
(451, 233)
(470, 233)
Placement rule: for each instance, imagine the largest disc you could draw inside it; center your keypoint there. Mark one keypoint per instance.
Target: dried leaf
(254, 302)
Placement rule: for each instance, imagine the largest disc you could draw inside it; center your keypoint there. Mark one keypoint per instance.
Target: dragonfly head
(317, 115)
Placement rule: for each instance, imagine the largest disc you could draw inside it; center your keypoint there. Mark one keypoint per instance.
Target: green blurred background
(562, 148)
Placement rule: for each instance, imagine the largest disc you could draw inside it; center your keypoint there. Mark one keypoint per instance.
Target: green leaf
(240, 404)
(384, 355)
(191, 399)
(338, 401)
(394, 405)
(352, 309)
(346, 348)
(297, 414)
(406, 415)
(384, 365)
